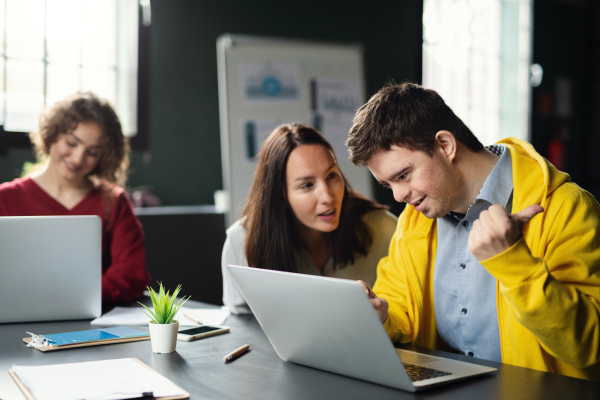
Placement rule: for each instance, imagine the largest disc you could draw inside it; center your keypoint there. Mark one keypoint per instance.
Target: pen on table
(192, 318)
(236, 353)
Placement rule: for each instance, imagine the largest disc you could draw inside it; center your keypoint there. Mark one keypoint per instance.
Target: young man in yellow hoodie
(497, 253)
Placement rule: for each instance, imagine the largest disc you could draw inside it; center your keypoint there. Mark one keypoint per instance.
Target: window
(476, 55)
(52, 48)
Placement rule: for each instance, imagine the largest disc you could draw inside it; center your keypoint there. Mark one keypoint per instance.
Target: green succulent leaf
(163, 304)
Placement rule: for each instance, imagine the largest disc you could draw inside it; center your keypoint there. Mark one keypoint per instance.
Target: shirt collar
(498, 186)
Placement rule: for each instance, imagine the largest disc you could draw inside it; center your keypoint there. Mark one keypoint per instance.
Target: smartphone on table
(200, 332)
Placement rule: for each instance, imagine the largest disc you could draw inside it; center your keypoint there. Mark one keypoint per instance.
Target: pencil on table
(236, 353)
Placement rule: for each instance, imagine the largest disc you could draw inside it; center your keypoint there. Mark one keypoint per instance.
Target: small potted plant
(163, 328)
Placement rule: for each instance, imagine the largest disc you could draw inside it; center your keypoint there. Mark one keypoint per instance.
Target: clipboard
(92, 337)
(29, 395)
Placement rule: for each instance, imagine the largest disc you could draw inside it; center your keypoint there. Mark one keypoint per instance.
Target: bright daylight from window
(52, 48)
(476, 55)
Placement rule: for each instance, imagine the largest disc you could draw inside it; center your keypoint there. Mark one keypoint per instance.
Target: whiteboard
(265, 82)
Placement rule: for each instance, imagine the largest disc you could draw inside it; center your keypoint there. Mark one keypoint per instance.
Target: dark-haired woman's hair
(269, 221)
(64, 116)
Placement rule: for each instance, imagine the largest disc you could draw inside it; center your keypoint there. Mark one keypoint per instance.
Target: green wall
(184, 161)
(11, 163)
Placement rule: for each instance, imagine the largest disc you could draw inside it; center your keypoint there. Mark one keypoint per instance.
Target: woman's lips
(327, 215)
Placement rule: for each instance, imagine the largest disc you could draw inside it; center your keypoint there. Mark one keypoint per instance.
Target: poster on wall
(270, 82)
(265, 82)
(333, 105)
(254, 132)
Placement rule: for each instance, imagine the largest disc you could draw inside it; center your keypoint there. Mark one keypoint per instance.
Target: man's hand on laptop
(380, 304)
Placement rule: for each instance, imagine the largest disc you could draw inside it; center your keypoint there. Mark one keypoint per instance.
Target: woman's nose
(77, 155)
(324, 193)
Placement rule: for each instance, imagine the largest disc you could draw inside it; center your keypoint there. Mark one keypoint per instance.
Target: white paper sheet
(109, 379)
(135, 316)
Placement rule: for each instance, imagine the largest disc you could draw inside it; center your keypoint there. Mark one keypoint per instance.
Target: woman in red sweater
(85, 160)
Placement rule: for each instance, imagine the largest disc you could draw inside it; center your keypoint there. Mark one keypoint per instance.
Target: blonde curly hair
(64, 116)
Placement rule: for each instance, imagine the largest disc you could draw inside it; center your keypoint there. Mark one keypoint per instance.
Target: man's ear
(447, 144)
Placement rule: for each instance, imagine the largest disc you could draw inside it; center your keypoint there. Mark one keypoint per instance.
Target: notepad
(108, 379)
(92, 337)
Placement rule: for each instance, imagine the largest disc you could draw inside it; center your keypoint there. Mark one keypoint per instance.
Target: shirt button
(470, 354)
(464, 310)
(465, 223)
(463, 265)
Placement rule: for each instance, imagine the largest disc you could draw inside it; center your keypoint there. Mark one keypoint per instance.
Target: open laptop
(330, 324)
(50, 268)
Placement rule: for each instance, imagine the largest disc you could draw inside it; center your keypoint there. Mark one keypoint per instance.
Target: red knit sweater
(124, 274)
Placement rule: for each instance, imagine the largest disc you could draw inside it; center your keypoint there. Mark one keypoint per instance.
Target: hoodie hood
(535, 170)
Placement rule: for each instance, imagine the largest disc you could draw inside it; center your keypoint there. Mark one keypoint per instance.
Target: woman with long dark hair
(302, 216)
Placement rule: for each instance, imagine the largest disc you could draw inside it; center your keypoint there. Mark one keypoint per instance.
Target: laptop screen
(50, 268)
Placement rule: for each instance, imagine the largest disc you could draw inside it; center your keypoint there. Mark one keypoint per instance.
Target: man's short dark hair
(405, 115)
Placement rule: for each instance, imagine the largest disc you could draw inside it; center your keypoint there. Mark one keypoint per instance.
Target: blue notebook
(117, 334)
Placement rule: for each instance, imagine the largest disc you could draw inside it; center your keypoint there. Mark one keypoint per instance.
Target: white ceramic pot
(163, 336)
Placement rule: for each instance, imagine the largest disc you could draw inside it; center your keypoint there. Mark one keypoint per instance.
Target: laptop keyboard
(418, 373)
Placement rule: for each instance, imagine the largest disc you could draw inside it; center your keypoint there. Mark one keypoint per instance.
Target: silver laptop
(50, 268)
(330, 324)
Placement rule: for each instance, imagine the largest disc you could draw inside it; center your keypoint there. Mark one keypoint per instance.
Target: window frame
(141, 140)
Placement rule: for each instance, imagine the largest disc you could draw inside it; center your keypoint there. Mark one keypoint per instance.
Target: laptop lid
(50, 268)
(330, 324)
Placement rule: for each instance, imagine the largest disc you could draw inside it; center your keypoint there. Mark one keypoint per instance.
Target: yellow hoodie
(548, 282)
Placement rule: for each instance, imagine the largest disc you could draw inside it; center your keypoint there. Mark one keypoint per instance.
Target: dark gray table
(198, 368)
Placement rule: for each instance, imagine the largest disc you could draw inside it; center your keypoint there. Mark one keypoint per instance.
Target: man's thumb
(523, 216)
